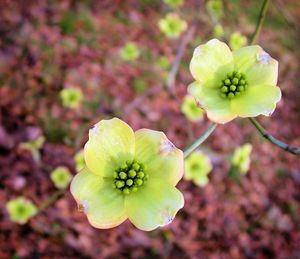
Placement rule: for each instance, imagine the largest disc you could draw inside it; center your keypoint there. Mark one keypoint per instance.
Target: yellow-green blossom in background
(197, 168)
(241, 158)
(237, 40)
(71, 97)
(215, 9)
(241, 83)
(218, 31)
(163, 63)
(129, 175)
(20, 210)
(130, 52)
(172, 25)
(190, 109)
(61, 177)
(174, 3)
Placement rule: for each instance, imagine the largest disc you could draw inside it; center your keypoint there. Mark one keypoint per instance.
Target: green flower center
(233, 85)
(129, 177)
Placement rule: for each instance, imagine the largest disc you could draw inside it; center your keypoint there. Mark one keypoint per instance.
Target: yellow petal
(110, 144)
(257, 65)
(102, 204)
(211, 60)
(159, 155)
(154, 205)
(256, 100)
(209, 99)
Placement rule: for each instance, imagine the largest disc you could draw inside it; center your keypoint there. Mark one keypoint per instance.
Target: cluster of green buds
(129, 177)
(71, 97)
(129, 52)
(233, 85)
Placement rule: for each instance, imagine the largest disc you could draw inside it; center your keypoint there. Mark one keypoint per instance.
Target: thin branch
(200, 140)
(260, 21)
(52, 199)
(181, 49)
(278, 143)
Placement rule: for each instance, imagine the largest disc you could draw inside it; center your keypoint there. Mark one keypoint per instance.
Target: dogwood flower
(130, 52)
(71, 97)
(241, 158)
(20, 210)
(191, 110)
(197, 168)
(174, 3)
(234, 84)
(128, 175)
(237, 40)
(61, 177)
(172, 25)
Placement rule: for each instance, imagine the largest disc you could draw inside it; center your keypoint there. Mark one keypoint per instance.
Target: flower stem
(278, 143)
(260, 21)
(53, 198)
(262, 131)
(200, 140)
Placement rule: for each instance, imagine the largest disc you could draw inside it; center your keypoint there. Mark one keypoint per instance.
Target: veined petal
(111, 143)
(154, 205)
(211, 59)
(217, 108)
(159, 155)
(256, 100)
(257, 65)
(103, 205)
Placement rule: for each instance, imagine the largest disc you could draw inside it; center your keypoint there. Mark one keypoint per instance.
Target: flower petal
(160, 157)
(154, 205)
(209, 59)
(102, 204)
(111, 143)
(217, 108)
(258, 66)
(256, 100)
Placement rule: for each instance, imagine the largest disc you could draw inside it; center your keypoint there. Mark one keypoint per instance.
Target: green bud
(235, 81)
(227, 82)
(230, 95)
(138, 182)
(241, 88)
(129, 182)
(132, 173)
(140, 175)
(224, 89)
(120, 184)
(123, 175)
(136, 166)
(232, 87)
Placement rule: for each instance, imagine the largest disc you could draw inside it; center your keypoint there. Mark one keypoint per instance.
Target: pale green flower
(129, 175)
(241, 158)
(172, 25)
(197, 168)
(33, 146)
(215, 9)
(190, 109)
(130, 52)
(234, 84)
(218, 31)
(79, 160)
(237, 40)
(20, 210)
(163, 63)
(61, 177)
(174, 3)
(71, 97)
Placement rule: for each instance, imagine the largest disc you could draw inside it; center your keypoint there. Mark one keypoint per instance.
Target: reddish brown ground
(257, 217)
